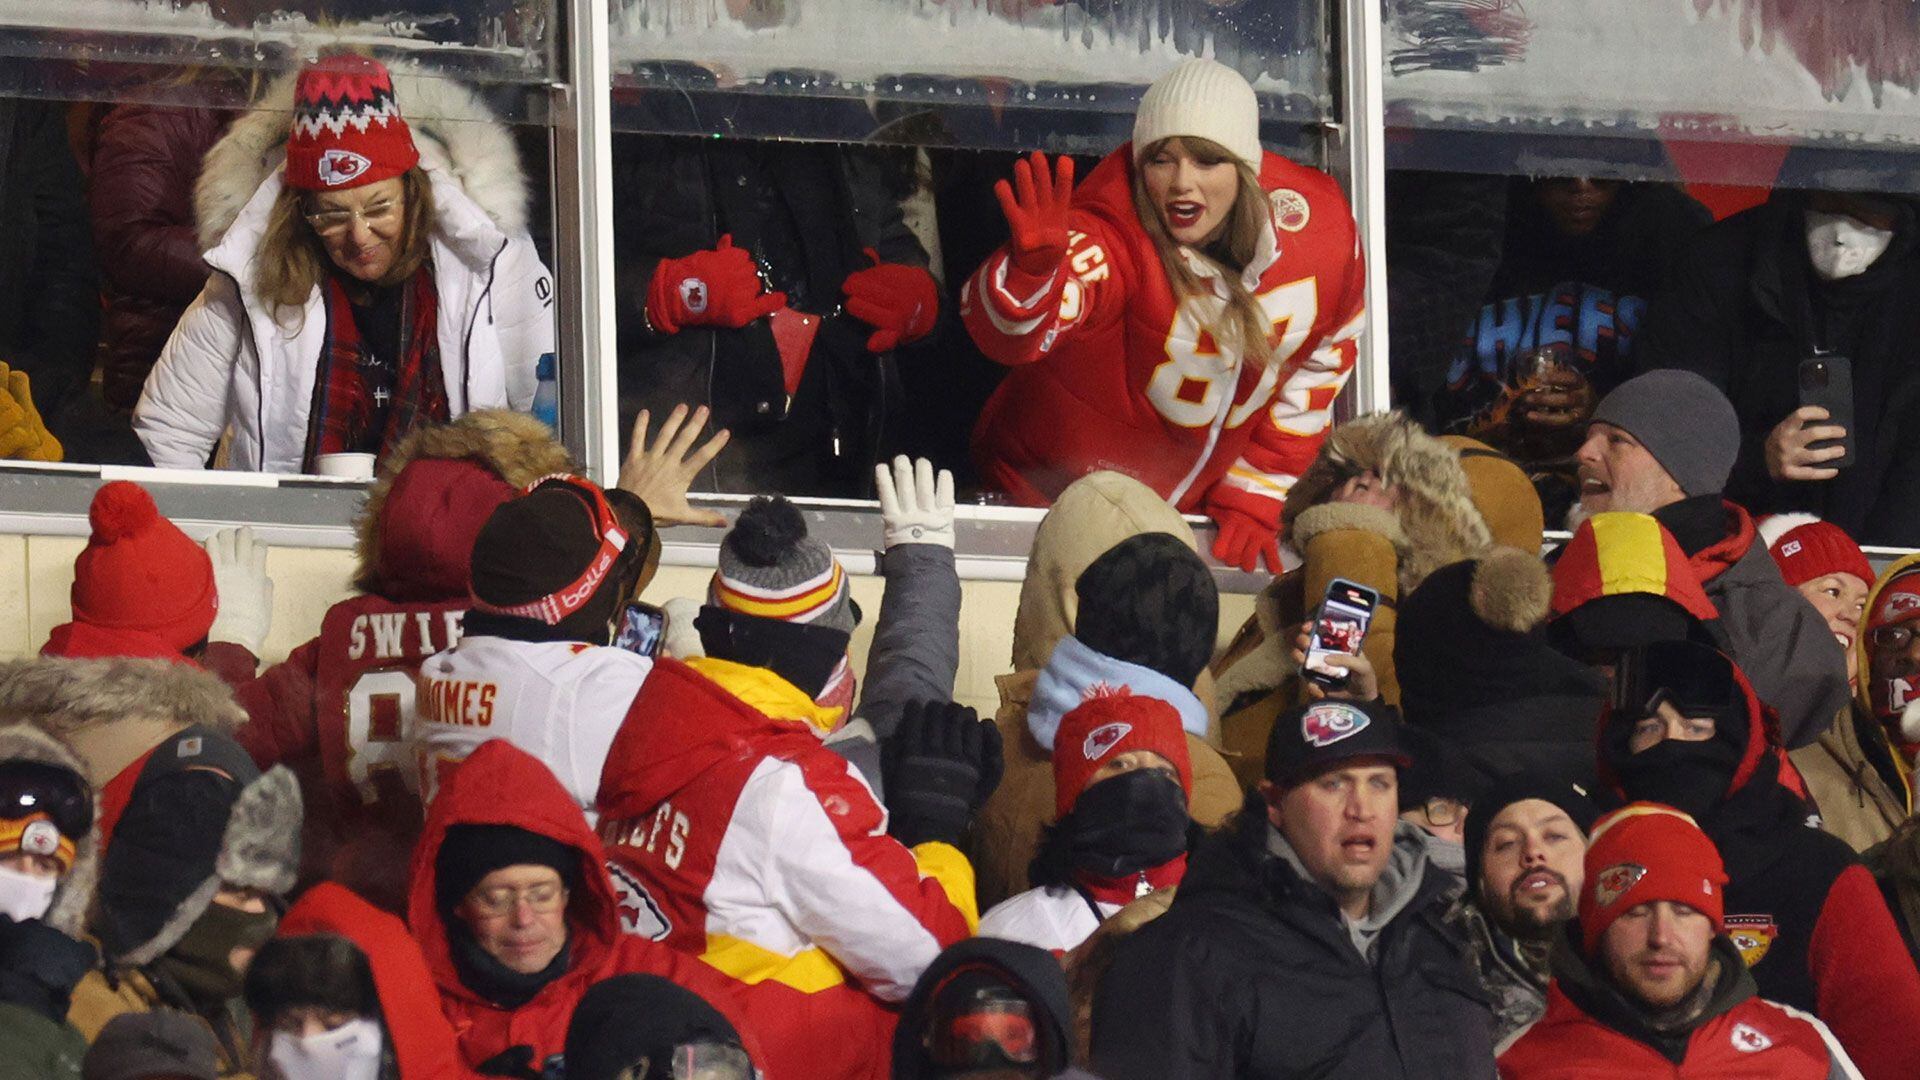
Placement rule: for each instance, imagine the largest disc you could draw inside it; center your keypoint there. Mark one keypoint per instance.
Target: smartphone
(1340, 627)
(1827, 381)
(643, 628)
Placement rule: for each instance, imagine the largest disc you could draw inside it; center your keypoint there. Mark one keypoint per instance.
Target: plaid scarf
(363, 402)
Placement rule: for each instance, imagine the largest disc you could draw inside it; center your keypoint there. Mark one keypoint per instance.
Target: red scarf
(347, 413)
(1127, 888)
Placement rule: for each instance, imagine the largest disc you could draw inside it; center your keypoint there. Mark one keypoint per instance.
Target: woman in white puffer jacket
(364, 283)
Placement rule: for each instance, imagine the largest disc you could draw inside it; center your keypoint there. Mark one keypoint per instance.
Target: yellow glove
(23, 437)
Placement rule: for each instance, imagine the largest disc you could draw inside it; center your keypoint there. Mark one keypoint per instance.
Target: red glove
(899, 302)
(709, 288)
(1036, 205)
(1249, 528)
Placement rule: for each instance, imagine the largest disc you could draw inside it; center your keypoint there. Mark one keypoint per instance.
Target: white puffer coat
(229, 365)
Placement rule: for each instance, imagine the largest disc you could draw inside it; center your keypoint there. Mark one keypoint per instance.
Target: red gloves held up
(900, 302)
(721, 287)
(1249, 528)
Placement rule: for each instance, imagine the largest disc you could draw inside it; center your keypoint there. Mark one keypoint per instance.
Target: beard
(1534, 921)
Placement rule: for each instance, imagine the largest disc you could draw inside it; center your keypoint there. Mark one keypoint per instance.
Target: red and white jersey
(1109, 372)
(1054, 917)
(559, 701)
(738, 837)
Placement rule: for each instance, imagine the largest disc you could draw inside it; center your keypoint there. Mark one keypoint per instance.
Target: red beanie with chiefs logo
(1897, 601)
(1645, 852)
(140, 574)
(347, 129)
(1107, 725)
(1805, 548)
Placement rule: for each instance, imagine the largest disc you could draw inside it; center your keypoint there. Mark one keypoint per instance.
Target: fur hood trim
(1511, 590)
(515, 446)
(259, 850)
(1316, 521)
(29, 742)
(1437, 513)
(455, 130)
(66, 695)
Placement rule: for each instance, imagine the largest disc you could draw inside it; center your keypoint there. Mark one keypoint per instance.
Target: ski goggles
(29, 789)
(556, 606)
(1694, 679)
(695, 1061)
(985, 1026)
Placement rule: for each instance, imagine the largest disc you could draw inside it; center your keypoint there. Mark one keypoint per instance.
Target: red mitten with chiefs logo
(709, 288)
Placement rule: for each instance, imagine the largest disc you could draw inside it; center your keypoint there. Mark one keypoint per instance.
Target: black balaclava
(1692, 776)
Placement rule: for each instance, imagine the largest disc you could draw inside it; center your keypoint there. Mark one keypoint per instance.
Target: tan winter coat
(1389, 551)
(111, 712)
(1856, 803)
(1095, 513)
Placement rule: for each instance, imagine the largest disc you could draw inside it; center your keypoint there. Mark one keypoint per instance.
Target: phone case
(1827, 381)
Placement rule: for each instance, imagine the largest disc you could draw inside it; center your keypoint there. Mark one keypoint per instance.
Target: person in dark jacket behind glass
(1307, 939)
(49, 298)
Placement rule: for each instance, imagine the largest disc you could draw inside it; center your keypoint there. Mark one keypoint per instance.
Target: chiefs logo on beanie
(347, 128)
(1107, 725)
(1645, 852)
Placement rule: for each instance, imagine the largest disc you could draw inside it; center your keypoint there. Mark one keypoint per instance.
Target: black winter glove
(940, 766)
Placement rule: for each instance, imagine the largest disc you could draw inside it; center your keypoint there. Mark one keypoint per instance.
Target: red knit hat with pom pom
(140, 573)
(1106, 725)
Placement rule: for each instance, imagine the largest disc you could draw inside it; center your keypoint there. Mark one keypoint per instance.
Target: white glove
(244, 590)
(683, 638)
(914, 509)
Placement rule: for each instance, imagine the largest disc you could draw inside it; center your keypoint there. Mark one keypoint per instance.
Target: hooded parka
(1032, 972)
(235, 364)
(1253, 973)
(500, 784)
(1090, 517)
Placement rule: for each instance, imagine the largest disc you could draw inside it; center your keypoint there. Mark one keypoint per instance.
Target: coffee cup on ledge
(345, 466)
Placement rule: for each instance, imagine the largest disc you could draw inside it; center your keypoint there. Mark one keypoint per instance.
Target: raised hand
(900, 302)
(1036, 206)
(662, 473)
(916, 507)
(721, 287)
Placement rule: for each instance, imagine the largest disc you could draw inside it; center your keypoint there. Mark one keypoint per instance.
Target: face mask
(1689, 776)
(202, 960)
(1129, 823)
(1842, 246)
(25, 896)
(349, 1052)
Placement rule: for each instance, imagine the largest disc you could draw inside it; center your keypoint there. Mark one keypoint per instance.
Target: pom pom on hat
(121, 509)
(771, 568)
(140, 573)
(1511, 590)
(1203, 99)
(767, 532)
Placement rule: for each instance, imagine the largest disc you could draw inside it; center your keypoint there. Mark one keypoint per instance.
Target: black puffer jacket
(806, 211)
(49, 299)
(1252, 974)
(1746, 308)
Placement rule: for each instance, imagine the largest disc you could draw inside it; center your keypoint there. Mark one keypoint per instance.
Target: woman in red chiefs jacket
(1186, 317)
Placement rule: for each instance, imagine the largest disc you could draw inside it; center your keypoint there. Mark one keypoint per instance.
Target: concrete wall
(37, 571)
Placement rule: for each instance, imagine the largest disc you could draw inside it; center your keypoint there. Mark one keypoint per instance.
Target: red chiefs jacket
(422, 1041)
(743, 840)
(1110, 373)
(1591, 1032)
(500, 784)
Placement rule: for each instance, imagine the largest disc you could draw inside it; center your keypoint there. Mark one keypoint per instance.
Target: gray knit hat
(1683, 420)
(770, 567)
(139, 1046)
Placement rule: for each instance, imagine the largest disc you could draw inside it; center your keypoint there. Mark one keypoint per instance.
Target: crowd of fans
(1639, 805)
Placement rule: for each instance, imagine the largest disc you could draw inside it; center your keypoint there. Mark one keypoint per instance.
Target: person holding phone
(1802, 311)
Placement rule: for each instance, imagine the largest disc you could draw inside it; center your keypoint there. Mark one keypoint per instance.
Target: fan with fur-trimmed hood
(74, 896)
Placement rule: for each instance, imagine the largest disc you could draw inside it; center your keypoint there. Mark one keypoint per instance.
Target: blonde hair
(291, 259)
(1231, 250)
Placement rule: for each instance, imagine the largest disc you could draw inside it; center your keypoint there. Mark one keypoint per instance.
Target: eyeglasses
(1441, 813)
(334, 222)
(1892, 637)
(544, 898)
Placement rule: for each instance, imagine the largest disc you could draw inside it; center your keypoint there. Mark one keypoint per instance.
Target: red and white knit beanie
(347, 128)
(1805, 548)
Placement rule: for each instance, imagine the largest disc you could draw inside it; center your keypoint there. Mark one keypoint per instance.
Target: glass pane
(1709, 91)
(982, 73)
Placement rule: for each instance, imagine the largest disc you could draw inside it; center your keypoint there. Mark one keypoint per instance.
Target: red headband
(556, 606)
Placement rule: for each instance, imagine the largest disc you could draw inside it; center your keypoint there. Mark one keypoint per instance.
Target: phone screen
(1340, 627)
(642, 628)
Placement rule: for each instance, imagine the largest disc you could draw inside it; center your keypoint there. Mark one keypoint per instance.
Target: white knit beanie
(1205, 99)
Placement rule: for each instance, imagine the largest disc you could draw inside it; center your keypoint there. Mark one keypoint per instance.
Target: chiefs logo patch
(1104, 738)
(1331, 721)
(1748, 1040)
(1615, 881)
(40, 838)
(639, 915)
(1290, 209)
(1753, 935)
(340, 166)
(693, 294)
